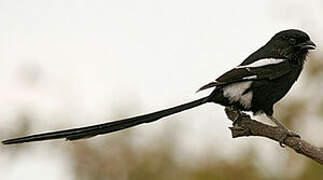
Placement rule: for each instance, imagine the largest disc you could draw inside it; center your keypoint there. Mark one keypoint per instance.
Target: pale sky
(97, 57)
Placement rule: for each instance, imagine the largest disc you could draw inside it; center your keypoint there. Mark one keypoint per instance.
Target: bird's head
(292, 44)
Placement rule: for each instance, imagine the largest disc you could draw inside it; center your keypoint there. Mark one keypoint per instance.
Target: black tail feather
(90, 131)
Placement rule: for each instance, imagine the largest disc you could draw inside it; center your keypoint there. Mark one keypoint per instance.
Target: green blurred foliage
(117, 159)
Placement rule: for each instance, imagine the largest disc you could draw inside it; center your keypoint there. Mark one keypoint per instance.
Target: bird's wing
(262, 69)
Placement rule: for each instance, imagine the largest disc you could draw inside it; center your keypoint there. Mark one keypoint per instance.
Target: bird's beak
(308, 45)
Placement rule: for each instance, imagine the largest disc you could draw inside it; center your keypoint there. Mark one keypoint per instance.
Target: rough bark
(245, 126)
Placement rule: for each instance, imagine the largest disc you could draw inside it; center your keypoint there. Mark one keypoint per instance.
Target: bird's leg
(285, 129)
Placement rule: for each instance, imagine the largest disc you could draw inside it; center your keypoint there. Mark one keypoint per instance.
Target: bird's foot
(287, 133)
(285, 130)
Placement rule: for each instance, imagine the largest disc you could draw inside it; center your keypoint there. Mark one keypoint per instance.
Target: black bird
(255, 85)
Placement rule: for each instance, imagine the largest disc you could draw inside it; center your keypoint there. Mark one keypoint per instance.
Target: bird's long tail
(99, 129)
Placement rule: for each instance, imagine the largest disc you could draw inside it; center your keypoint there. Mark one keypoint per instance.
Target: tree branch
(245, 126)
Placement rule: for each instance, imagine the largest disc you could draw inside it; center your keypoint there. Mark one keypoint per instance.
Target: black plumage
(255, 85)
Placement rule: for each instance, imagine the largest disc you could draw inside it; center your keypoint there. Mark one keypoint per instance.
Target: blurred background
(74, 63)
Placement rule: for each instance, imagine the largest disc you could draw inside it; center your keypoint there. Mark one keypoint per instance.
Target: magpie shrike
(255, 85)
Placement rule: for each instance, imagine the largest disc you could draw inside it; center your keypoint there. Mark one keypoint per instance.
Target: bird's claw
(286, 134)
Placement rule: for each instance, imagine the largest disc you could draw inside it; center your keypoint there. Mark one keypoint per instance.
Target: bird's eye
(292, 41)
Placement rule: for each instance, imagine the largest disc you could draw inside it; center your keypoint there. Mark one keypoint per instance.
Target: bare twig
(245, 126)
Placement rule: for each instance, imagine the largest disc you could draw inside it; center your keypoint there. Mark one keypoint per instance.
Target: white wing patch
(250, 77)
(246, 99)
(235, 92)
(263, 62)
